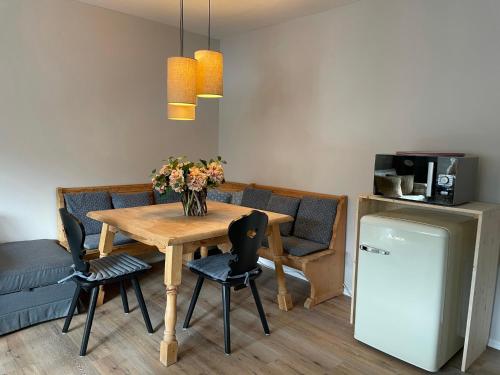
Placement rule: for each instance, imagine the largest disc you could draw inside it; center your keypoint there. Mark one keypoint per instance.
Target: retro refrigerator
(413, 284)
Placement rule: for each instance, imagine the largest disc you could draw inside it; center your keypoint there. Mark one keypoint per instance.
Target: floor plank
(319, 341)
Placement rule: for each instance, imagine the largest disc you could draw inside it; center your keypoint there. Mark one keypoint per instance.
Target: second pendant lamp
(209, 76)
(181, 81)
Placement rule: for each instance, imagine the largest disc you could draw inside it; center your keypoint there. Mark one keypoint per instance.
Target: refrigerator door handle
(374, 250)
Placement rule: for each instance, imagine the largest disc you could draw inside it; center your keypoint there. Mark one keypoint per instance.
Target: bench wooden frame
(323, 269)
(135, 248)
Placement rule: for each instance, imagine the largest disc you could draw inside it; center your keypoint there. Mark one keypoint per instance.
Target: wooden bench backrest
(60, 191)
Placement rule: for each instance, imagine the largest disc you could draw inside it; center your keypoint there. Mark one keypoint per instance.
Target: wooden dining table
(178, 236)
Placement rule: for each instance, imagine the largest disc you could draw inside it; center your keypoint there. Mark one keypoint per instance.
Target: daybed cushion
(92, 241)
(28, 307)
(284, 205)
(219, 196)
(79, 204)
(298, 246)
(236, 198)
(215, 266)
(170, 196)
(256, 198)
(31, 264)
(315, 219)
(144, 198)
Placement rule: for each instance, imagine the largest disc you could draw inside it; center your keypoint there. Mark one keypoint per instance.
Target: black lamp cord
(209, 16)
(181, 27)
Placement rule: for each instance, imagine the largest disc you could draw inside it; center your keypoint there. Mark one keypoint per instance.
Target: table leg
(105, 248)
(173, 272)
(276, 246)
(204, 251)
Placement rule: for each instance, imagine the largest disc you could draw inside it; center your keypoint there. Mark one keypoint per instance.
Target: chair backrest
(75, 233)
(246, 235)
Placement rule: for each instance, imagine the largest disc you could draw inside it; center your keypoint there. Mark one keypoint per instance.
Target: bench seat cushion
(236, 197)
(219, 196)
(256, 198)
(286, 206)
(30, 264)
(315, 219)
(144, 198)
(92, 241)
(170, 196)
(80, 204)
(298, 246)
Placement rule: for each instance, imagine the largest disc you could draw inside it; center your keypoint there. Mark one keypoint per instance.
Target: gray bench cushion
(170, 196)
(256, 198)
(144, 198)
(215, 266)
(92, 241)
(115, 266)
(284, 205)
(79, 204)
(236, 197)
(315, 219)
(298, 246)
(219, 196)
(31, 264)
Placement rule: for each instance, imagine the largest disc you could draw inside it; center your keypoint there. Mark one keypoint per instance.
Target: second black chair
(91, 275)
(237, 268)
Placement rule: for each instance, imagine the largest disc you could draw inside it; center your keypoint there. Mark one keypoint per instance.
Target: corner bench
(323, 267)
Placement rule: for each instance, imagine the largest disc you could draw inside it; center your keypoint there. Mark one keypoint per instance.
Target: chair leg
(123, 293)
(226, 301)
(72, 308)
(142, 304)
(194, 299)
(262, 314)
(88, 323)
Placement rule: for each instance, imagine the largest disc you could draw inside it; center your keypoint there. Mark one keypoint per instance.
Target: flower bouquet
(191, 180)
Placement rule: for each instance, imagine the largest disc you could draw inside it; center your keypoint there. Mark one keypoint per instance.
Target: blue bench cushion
(219, 196)
(236, 197)
(315, 219)
(170, 196)
(31, 264)
(215, 266)
(79, 204)
(144, 198)
(256, 198)
(92, 241)
(298, 246)
(284, 205)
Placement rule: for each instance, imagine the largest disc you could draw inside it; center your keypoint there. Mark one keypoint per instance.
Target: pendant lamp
(209, 80)
(181, 79)
(181, 112)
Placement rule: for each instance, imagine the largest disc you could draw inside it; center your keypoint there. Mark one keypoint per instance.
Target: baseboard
(495, 344)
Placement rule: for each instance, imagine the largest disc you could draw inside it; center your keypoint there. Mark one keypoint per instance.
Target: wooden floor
(301, 342)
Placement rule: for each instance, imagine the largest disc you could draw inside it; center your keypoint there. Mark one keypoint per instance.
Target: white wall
(82, 102)
(309, 102)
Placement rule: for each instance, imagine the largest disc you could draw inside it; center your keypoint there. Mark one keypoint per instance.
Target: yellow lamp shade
(181, 81)
(181, 112)
(209, 81)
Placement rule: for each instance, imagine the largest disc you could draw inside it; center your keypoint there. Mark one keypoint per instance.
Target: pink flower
(176, 180)
(215, 172)
(197, 179)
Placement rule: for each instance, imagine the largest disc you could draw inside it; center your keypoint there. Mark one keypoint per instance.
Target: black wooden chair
(89, 276)
(237, 268)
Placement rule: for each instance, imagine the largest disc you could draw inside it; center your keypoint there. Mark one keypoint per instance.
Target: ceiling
(228, 16)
